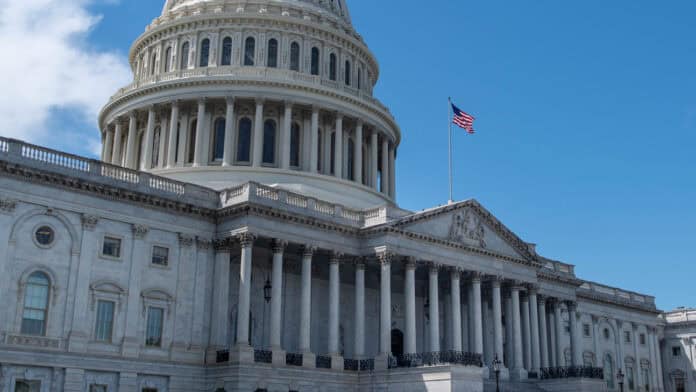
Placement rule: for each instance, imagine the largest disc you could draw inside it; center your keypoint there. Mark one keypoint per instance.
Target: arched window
(35, 304)
(227, 51)
(332, 67)
(192, 142)
(295, 145)
(219, 139)
(178, 138)
(348, 73)
(156, 147)
(295, 56)
(315, 61)
(269, 142)
(167, 59)
(351, 151)
(153, 63)
(249, 51)
(332, 153)
(359, 78)
(244, 141)
(184, 55)
(609, 371)
(272, 60)
(319, 150)
(205, 52)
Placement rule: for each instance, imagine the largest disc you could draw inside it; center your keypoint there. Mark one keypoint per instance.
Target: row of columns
(379, 175)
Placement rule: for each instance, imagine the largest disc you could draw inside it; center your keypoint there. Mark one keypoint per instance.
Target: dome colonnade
(283, 88)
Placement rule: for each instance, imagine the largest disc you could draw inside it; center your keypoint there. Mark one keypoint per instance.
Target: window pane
(249, 49)
(347, 73)
(227, 51)
(105, 321)
(219, 139)
(351, 151)
(295, 145)
(205, 52)
(192, 141)
(315, 61)
(295, 56)
(184, 55)
(272, 53)
(244, 140)
(154, 327)
(332, 67)
(112, 247)
(35, 304)
(160, 255)
(269, 142)
(167, 59)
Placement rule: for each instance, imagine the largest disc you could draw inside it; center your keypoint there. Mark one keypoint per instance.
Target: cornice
(557, 278)
(614, 301)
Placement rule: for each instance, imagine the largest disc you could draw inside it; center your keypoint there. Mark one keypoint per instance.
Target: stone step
(526, 386)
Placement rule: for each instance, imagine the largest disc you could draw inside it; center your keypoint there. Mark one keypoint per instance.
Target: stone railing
(253, 73)
(62, 163)
(617, 295)
(558, 267)
(571, 372)
(260, 194)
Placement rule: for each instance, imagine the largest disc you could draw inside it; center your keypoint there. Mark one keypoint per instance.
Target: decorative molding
(308, 250)
(139, 231)
(203, 243)
(385, 258)
(279, 246)
(89, 222)
(246, 240)
(466, 227)
(8, 205)
(186, 240)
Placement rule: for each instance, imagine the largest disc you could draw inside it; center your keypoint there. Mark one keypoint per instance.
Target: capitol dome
(277, 92)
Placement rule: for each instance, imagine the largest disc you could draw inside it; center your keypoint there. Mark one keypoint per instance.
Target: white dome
(337, 8)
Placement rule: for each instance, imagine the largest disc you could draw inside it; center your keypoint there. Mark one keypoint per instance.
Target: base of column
(337, 362)
(242, 353)
(382, 362)
(278, 357)
(518, 374)
(504, 373)
(309, 360)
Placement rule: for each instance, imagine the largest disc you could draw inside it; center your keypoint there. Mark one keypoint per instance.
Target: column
(526, 334)
(257, 148)
(552, 335)
(433, 296)
(478, 316)
(285, 137)
(221, 297)
(575, 347)
(638, 370)
(314, 146)
(146, 162)
(164, 130)
(306, 305)
(108, 145)
(620, 344)
(518, 363)
(392, 172)
(595, 341)
(358, 153)
(246, 241)
(359, 349)
(334, 301)
(543, 335)
(338, 147)
(660, 383)
(375, 155)
(200, 150)
(184, 133)
(173, 135)
(560, 355)
(534, 328)
(410, 308)
(230, 126)
(497, 320)
(455, 301)
(653, 360)
(132, 140)
(277, 301)
(118, 137)
(509, 336)
(385, 167)
(385, 307)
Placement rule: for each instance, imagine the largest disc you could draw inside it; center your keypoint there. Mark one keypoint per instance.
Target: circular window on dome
(44, 236)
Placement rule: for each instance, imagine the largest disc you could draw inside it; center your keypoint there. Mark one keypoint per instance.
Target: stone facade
(679, 350)
(241, 233)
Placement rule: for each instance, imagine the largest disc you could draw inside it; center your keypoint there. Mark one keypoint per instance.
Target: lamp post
(620, 376)
(267, 290)
(496, 369)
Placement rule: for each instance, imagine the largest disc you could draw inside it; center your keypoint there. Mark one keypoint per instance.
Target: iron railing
(293, 359)
(263, 356)
(572, 372)
(437, 358)
(323, 362)
(222, 356)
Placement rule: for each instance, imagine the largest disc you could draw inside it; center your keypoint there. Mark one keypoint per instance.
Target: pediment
(468, 224)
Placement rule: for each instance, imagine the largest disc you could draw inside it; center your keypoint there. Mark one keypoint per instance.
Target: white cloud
(47, 67)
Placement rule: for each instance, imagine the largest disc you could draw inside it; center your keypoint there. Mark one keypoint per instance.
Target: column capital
(516, 285)
(432, 266)
(385, 258)
(259, 101)
(336, 257)
(224, 244)
(359, 263)
(175, 103)
(89, 222)
(246, 239)
(230, 100)
(202, 101)
(288, 104)
(203, 243)
(132, 115)
(185, 240)
(338, 115)
(279, 245)
(532, 288)
(410, 262)
(139, 231)
(475, 277)
(541, 299)
(359, 123)
(497, 281)
(595, 318)
(308, 250)
(572, 305)
(315, 109)
(455, 272)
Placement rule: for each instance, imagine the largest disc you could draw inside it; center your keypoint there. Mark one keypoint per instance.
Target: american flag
(463, 120)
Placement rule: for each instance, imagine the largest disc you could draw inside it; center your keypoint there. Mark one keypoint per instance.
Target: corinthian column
(358, 153)
(385, 260)
(306, 308)
(560, 355)
(410, 311)
(277, 301)
(173, 131)
(230, 122)
(200, 151)
(314, 145)
(478, 316)
(257, 155)
(285, 137)
(118, 137)
(543, 336)
(132, 141)
(108, 145)
(497, 319)
(244, 350)
(455, 302)
(385, 167)
(534, 327)
(433, 288)
(359, 349)
(146, 162)
(334, 310)
(574, 337)
(338, 147)
(373, 159)
(518, 371)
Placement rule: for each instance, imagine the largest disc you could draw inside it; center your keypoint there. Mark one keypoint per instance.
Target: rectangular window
(676, 351)
(111, 247)
(154, 327)
(27, 386)
(642, 339)
(105, 321)
(98, 388)
(586, 330)
(160, 256)
(627, 336)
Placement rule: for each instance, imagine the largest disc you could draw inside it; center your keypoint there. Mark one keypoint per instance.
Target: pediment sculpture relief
(467, 228)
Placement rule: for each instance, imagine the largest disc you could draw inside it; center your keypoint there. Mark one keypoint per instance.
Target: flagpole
(449, 110)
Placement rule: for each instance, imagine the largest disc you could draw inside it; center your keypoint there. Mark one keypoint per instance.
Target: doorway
(397, 343)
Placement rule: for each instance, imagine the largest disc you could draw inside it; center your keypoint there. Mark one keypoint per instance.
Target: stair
(505, 386)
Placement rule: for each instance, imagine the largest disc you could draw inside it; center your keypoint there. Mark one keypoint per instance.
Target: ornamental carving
(467, 228)
(140, 231)
(7, 205)
(89, 222)
(185, 240)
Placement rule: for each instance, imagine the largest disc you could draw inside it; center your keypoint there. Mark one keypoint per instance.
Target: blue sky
(586, 121)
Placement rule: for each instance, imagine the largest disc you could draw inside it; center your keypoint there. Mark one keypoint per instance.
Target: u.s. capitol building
(241, 233)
